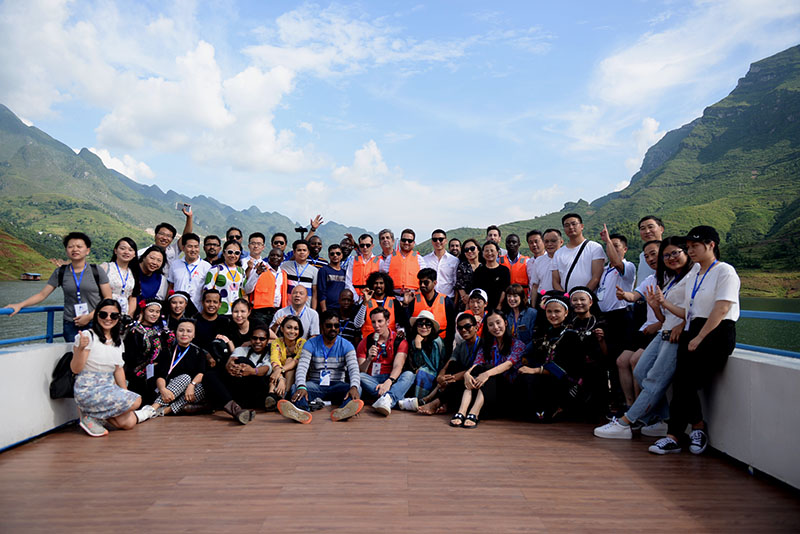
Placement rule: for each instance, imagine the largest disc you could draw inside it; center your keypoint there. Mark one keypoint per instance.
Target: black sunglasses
(334, 253)
(470, 249)
(259, 338)
(105, 315)
(405, 240)
(425, 322)
(279, 242)
(438, 239)
(364, 245)
(465, 326)
(232, 236)
(331, 325)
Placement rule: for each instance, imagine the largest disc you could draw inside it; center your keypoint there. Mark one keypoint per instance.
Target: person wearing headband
(143, 344)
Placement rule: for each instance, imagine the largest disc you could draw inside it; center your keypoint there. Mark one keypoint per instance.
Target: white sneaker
(656, 430)
(410, 405)
(614, 430)
(383, 405)
(144, 413)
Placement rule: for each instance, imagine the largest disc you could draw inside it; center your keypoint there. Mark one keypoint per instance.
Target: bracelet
(192, 384)
(541, 370)
(302, 387)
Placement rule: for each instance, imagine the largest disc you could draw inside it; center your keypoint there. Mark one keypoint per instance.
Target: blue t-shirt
(330, 283)
(150, 286)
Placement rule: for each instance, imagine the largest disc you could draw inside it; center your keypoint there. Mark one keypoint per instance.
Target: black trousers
(617, 329)
(247, 391)
(695, 370)
(537, 397)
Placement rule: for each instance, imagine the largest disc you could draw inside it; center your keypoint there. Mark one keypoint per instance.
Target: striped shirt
(338, 359)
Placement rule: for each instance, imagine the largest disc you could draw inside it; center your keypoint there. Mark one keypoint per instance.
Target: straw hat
(425, 314)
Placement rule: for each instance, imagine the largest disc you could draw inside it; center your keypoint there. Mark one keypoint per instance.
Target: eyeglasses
(438, 239)
(466, 326)
(331, 326)
(364, 245)
(256, 244)
(105, 315)
(209, 245)
(334, 253)
(406, 240)
(425, 323)
(233, 252)
(234, 236)
(259, 338)
(165, 234)
(470, 249)
(276, 243)
(674, 255)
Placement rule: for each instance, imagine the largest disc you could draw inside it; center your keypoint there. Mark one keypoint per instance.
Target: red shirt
(385, 357)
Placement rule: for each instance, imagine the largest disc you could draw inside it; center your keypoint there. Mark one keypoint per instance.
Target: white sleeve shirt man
(445, 272)
(607, 289)
(189, 277)
(582, 273)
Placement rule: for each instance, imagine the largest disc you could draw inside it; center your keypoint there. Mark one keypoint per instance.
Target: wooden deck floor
(401, 474)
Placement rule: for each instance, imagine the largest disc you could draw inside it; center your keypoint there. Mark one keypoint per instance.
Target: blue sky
(380, 113)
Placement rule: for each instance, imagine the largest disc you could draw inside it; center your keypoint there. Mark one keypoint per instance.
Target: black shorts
(640, 340)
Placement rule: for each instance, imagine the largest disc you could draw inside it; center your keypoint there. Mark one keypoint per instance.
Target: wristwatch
(394, 380)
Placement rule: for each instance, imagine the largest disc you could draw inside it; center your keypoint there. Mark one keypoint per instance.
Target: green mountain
(736, 168)
(46, 190)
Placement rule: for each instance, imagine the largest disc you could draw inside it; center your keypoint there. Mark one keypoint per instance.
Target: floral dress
(229, 281)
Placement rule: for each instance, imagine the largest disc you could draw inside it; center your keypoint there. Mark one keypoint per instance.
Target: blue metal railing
(772, 316)
(747, 314)
(48, 337)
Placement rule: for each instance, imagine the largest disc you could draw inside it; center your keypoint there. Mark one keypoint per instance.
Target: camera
(220, 351)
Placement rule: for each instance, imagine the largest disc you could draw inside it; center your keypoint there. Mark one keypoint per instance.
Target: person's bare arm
(33, 299)
(597, 273)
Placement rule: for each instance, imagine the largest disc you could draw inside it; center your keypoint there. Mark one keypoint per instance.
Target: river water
(778, 334)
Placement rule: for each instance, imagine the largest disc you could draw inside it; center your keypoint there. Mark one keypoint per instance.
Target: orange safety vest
(371, 304)
(361, 271)
(263, 295)
(437, 309)
(403, 270)
(519, 270)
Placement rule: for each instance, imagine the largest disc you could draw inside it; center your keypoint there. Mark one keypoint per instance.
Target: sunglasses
(234, 236)
(259, 338)
(334, 253)
(404, 240)
(466, 326)
(233, 253)
(331, 326)
(470, 249)
(438, 239)
(105, 315)
(364, 245)
(424, 323)
(278, 243)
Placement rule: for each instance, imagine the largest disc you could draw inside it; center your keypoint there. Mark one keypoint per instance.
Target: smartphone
(180, 205)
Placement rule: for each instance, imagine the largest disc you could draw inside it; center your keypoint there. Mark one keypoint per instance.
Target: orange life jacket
(519, 270)
(361, 271)
(371, 304)
(437, 309)
(403, 270)
(263, 295)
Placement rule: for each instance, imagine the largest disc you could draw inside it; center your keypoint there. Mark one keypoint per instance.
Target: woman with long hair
(711, 301)
(284, 354)
(228, 277)
(497, 356)
(521, 317)
(426, 355)
(654, 370)
(123, 274)
(152, 280)
(101, 390)
(470, 261)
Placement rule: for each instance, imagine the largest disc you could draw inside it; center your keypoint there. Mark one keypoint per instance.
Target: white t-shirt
(643, 270)
(102, 358)
(674, 294)
(607, 289)
(649, 282)
(582, 273)
(719, 283)
(308, 318)
(189, 277)
(542, 272)
(445, 272)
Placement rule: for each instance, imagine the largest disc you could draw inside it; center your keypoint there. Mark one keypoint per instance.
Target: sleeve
(314, 274)
(170, 273)
(629, 276)
(275, 353)
(402, 347)
(361, 350)
(102, 276)
(53, 280)
(244, 281)
(728, 285)
(211, 277)
(529, 268)
(352, 367)
(250, 283)
(276, 319)
(313, 330)
(517, 348)
(361, 316)
(479, 360)
(321, 279)
(598, 252)
(421, 262)
(348, 281)
(302, 368)
(239, 352)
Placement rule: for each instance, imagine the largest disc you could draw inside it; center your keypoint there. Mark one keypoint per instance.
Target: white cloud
(135, 170)
(368, 168)
(307, 126)
(644, 138)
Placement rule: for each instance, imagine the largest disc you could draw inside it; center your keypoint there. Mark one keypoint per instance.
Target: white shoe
(614, 430)
(145, 413)
(656, 430)
(410, 405)
(383, 405)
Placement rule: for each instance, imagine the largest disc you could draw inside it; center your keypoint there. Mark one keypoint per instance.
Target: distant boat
(30, 276)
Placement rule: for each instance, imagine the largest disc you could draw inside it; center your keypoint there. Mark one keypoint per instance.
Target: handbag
(63, 382)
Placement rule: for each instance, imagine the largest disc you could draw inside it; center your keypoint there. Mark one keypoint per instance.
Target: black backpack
(63, 383)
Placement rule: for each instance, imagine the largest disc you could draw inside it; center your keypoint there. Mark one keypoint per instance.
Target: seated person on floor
(284, 354)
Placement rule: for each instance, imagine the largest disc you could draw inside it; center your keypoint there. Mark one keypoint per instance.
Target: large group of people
(471, 330)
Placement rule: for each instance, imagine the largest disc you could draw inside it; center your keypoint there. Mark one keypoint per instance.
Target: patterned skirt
(100, 397)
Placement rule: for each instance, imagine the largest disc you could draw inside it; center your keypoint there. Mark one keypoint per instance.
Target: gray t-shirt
(90, 293)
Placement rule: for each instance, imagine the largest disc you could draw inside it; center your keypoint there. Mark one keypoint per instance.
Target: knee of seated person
(623, 360)
(136, 404)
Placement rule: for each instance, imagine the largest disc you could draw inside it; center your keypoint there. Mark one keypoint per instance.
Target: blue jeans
(654, 373)
(334, 393)
(398, 390)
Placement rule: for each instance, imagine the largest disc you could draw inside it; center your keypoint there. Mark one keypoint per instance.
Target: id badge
(150, 370)
(600, 292)
(81, 309)
(325, 378)
(376, 368)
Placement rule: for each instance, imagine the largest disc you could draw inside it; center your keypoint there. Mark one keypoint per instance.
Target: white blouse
(102, 358)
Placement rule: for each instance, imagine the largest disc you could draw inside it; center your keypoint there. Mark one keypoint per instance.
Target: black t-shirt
(206, 331)
(231, 331)
(493, 281)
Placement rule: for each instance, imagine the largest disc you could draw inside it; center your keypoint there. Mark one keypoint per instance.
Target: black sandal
(457, 417)
(474, 418)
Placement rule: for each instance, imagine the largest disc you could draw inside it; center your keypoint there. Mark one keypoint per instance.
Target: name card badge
(81, 308)
(150, 370)
(376, 368)
(325, 378)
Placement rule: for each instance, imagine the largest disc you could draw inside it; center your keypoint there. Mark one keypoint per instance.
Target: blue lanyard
(474, 350)
(124, 282)
(696, 286)
(232, 278)
(78, 280)
(342, 327)
(672, 283)
(608, 271)
(175, 362)
(326, 353)
(190, 271)
(291, 310)
(496, 356)
(300, 273)
(513, 319)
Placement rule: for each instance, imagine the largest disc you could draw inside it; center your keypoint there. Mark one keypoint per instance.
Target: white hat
(425, 314)
(478, 292)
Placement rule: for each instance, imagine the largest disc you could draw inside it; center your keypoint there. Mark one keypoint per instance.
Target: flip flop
(474, 418)
(457, 417)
